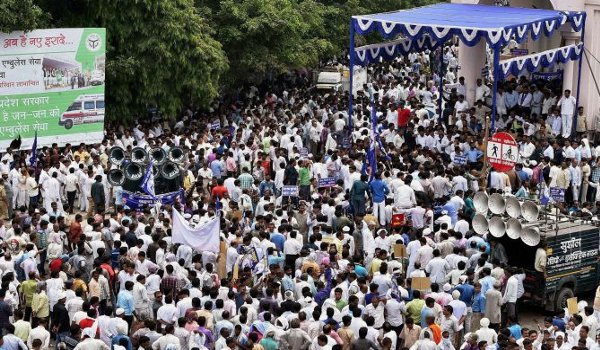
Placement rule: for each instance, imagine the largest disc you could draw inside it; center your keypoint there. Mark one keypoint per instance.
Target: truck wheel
(68, 124)
(561, 298)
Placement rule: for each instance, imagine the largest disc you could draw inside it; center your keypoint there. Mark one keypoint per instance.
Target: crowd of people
(83, 270)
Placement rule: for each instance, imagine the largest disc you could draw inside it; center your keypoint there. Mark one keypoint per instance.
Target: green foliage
(160, 53)
(262, 37)
(20, 15)
(170, 53)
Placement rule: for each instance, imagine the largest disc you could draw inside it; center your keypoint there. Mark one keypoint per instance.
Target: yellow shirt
(28, 289)
(22, 329)
(40, 305)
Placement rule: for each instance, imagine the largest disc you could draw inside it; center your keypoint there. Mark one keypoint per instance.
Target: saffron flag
(205, 237)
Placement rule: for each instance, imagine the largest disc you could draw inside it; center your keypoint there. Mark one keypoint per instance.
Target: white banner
(205, 237)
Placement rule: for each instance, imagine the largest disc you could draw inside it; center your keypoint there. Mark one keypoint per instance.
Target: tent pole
(575, 115)
(351, 65)
(495, 85)
(441, 97)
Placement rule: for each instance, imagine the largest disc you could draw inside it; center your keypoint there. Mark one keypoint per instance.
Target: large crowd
(82, 270)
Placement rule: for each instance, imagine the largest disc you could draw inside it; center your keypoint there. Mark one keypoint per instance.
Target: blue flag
(148, 181)
(33, 158)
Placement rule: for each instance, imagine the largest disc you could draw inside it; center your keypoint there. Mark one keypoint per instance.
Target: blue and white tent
(429, 27)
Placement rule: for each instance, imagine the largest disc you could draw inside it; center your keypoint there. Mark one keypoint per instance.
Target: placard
(557, 194)
(572, 306)
(519, 52)
(303, 152)
(289, 191)
(460, 160)
(421, 283)
(216, 125)
(399, 251)
(327, 182)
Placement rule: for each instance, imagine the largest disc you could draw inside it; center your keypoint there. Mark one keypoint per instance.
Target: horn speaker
(497, 227)
(480, 224)
(480, 202)
(497, 204)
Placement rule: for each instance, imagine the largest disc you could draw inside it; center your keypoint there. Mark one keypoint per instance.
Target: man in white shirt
(567, 110)
(510, 294)
(481, 91)
(437, 268)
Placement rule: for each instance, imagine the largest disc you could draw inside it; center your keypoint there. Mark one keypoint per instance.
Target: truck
(333, 78)
(572, 265)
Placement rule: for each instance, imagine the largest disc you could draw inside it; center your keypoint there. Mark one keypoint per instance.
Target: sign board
(289, 191)
(52, 82)
(519, 52)
(460, 160)
(303, 152)
(327, 182)
(557, 194)
(216, 125)
(547, 76)
(502, 151)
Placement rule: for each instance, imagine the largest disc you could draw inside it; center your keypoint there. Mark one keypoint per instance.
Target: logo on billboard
(93, 42)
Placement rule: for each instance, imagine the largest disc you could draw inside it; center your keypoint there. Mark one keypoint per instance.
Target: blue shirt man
(479, 303)
(217, 168)
(125, 299)
(379, 190)
(466, 293)
(473, 155)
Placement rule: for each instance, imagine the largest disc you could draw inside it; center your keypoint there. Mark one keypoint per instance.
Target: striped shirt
(246, 180)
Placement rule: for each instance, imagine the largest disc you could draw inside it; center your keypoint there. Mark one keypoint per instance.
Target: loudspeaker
(530, 211)
(480, 202)
(513, 207)
(480, 224)
(497, 227)
(116, 177)
(497, 204)
(116, 155)
(513, 228)
(531, 236)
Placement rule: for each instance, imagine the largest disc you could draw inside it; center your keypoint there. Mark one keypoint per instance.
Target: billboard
(52, 82)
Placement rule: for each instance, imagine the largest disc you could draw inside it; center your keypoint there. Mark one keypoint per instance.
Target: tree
(160, 53)
(264, 37)
(20, 15)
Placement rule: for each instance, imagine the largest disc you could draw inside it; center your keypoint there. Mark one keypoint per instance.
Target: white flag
(205, 237)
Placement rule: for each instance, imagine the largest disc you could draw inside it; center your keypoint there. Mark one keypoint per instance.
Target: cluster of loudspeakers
(131, 166)
(508, 216)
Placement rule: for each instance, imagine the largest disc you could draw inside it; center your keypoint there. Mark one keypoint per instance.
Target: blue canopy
(496, 24)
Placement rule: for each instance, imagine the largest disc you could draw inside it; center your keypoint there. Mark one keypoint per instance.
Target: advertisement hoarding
(52, 82)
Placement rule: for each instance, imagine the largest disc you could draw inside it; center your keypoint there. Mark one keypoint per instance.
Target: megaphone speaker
(513, 207)
(480, 224)
(513, 228)
(480, 202)
(497, 227)
(497, 204)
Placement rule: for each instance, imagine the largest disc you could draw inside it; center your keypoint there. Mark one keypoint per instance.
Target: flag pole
(485, 155)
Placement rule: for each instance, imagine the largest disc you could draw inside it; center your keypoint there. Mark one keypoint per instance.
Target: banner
(205, 237)
(52, 82)
(137, 201)
(547, 75)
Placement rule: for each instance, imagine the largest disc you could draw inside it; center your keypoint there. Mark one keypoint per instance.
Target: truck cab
(571, 263)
